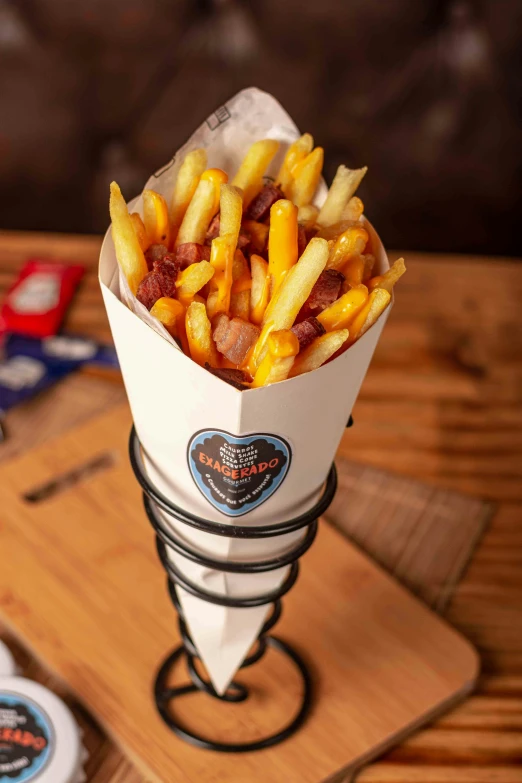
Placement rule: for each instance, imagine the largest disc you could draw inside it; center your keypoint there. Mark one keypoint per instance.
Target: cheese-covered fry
(250, 175)
(295, 154)
(282, 348)
(199, 336)
(139, 228)
(350, 243)
(198, 215)
(318, 352)
(192, 279)
(389, 278)
(344, 185)
(186, 183)
(342, 312)
(156, 218)
(378, 301)
(291, 296)
(307, 215)
(128, 251)
(218, 177)
(260, 291)
(306, 175)
(282, 242)
(241, 285)
(171, 314)
(222, 259)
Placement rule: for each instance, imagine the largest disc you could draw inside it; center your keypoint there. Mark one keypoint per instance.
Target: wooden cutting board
(81, 585)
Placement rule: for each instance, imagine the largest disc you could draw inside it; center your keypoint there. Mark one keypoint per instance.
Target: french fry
(156, 218)
(218, 177)
(342, 312)
(222, 259)
(241, 285)
(350, 243)
(260, 291)
(295, 154)
(344, 185)
(186, 183)
(377, 302)
(369, 263)
(291, 296)
(307, 215)
(258, 234)
(353, 271)
(171, 314)
(282, 242)
(192, 279)
(318, 352)
(353, 210)
(199, 336)
(389, 278)
(139, 228)
(335, 230)
(198, 215)
(128, 251)
(231, 207)
(250, 175)
(306, 175)
(282, 348)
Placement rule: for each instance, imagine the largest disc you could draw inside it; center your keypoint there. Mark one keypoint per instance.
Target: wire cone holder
(164, 695)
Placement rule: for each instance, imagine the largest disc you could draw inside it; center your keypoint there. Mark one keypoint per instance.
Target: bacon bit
(236, 378)
(160, 282)
(155, 253)
(302, 240)
(323, 294)
(191, 253)
(234, 338)
(307, 331)
(259, 209)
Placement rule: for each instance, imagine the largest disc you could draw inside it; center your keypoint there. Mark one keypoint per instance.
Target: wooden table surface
(442, 402)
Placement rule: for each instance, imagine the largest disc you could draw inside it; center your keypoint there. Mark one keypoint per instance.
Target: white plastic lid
(7, 663)
(39, 739)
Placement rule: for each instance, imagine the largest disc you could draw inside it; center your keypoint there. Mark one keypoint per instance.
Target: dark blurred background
(427, 93)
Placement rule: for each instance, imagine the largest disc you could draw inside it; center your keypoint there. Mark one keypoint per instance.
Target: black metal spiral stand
(165, 536)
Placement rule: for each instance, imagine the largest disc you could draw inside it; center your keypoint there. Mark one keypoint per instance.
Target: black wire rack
(166, 539)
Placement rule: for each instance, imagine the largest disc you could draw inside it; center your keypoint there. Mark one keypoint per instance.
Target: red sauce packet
(37, 302)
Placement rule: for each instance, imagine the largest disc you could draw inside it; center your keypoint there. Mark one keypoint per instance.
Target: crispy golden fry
(351, 243)
(156, 218)
(222, 259)
(198, 215)
(260, 291)
(199, 335)
(307, 215)
(377, 302)
(344, 185)
(306, 176)
(231, 206)
(295, 154)
(139, 228)
(282, 348)
(128, 251)
(241, 285)
(369, 263)
(218, 177)
(389, 278)
(318, 352)
(186, 183)
(171, 314)
(291, 296)
(282, 242)
(192, 279)
(353, 210)
(250, 175)
(258, 234)
(334, 231)
(341, 313)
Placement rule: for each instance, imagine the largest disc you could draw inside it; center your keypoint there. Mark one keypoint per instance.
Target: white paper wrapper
(298, 423)
(7, 662)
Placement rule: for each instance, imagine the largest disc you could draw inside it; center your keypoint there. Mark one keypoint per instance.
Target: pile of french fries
(267, 285)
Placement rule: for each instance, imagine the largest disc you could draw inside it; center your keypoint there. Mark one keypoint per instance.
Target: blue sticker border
(270, 437)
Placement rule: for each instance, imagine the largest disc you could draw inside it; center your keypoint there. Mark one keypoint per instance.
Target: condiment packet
(37, 301)
(40, 741)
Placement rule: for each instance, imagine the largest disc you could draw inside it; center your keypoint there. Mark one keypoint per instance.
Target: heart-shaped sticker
(238, 473)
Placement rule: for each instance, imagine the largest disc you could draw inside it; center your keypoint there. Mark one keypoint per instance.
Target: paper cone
(285, 434)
